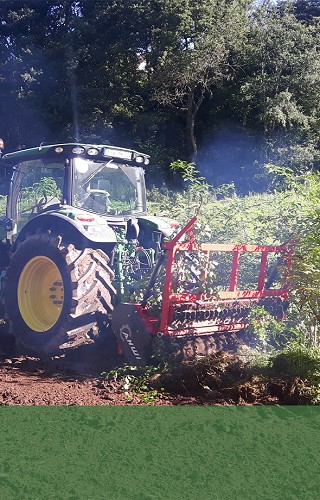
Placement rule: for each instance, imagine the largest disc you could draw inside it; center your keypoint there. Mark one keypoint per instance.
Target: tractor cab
(103, 180)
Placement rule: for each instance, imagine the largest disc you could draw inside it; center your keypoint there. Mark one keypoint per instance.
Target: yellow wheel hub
(40, 294)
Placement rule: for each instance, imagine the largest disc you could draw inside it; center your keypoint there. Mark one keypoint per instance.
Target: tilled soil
(26, 380)
(77, 379)
(72, 379)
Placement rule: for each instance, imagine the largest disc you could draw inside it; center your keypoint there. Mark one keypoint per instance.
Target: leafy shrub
(298, 361)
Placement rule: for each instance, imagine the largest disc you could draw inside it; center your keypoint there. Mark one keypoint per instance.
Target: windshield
(108, 188)
(37, 186)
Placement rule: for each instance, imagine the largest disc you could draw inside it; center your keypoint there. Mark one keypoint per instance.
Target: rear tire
(57, 296)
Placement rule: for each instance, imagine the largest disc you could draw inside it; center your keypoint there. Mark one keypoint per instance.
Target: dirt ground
(77, 379)
(71, 380)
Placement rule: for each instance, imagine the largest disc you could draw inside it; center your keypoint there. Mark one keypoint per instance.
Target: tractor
(77, 243)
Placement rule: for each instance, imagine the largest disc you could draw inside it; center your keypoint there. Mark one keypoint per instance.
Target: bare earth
(71, 380)
(76, 379)
(26, 380)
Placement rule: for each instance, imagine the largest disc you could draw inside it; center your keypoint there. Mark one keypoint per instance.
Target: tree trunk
(314, 335)
(192, 110)
(191, 139)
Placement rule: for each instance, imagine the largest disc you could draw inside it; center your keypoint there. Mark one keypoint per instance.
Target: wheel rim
(40, 294)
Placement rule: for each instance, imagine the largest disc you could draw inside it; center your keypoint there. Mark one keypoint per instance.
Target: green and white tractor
(74, 237)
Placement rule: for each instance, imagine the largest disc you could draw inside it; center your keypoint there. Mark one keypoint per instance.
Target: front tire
(57, 296)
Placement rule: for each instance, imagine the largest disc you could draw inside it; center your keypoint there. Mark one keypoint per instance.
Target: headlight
(139, 159)
(59, 149)
(93, 151)
(78, 150)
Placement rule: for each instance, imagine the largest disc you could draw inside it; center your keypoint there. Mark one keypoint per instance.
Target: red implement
(202, 313)
(194, 303)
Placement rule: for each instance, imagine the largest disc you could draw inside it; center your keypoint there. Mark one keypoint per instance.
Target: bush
(298, 361)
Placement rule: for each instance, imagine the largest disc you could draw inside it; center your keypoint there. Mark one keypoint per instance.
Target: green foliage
(183, 205)
(290, 377)
(150, 74)
(281, 70)
(262, 218)
(298, 361)
(189, 174)
(47, 185)
(135, 381)
(43, 190)
(132, 72)
(304, 267)
(191, 58)
(290, 212)
(267, 329)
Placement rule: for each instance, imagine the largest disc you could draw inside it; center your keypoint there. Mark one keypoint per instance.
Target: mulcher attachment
(133, 329)
(202, 302)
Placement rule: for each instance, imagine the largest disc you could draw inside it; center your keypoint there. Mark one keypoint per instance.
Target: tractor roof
(71, 150)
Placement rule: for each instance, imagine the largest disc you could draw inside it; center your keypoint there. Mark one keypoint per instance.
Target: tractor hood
(164, 225)
(95, 226)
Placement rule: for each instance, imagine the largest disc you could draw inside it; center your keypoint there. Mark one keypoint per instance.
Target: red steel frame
(169, 298)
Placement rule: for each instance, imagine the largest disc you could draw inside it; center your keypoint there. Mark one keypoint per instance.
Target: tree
(306, 10)
(280, 83)
(34, 68)
(188, 51)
